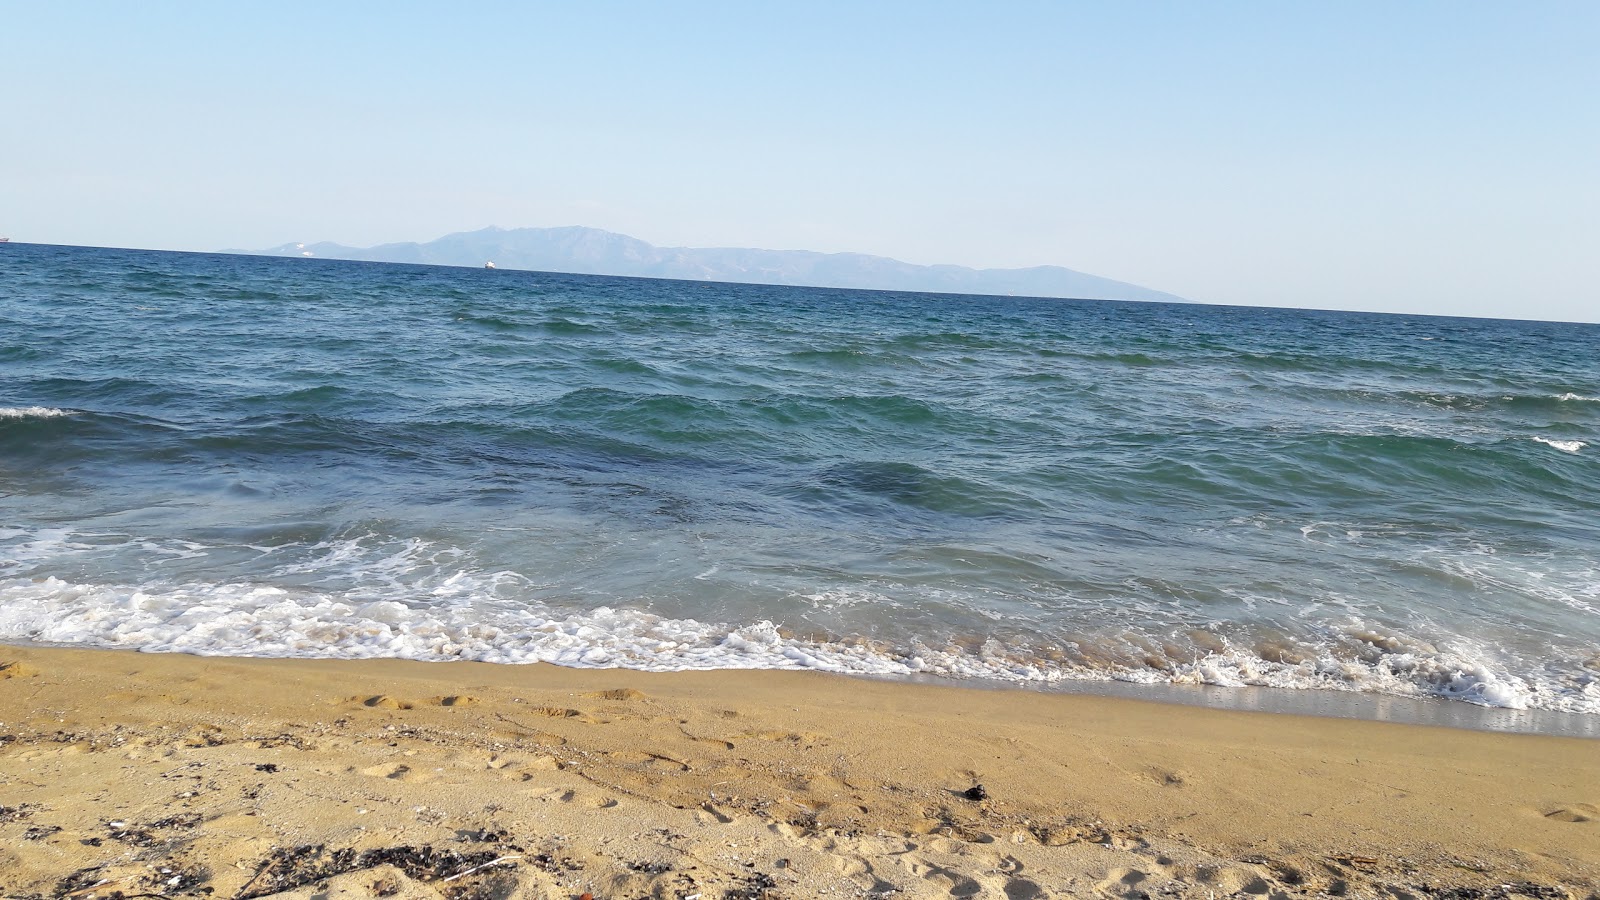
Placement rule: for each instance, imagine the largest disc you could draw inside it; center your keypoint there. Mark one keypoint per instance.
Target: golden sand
(168, 775)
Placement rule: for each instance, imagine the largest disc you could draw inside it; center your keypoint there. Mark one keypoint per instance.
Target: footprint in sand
(536, 738)
(944, 845)
(521, 768)
(619, 694)
(562, 712)
(1230, 880)
(205, 736)
(1023, 889)
(17, 670)
(957, 884)
(589, 801)
(709, 813)
(1577, 812)
(787, 737)
(397, 772)
(384, 701)
(647, 760)
(1165, 778)
(1018, 887)
(1062, 835)
(1122, 883)
(455, 700)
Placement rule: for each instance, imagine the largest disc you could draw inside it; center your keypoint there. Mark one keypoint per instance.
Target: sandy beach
(168, 775)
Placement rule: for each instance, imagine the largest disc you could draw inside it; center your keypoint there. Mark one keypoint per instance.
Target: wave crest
(1563, 446)
(31, 412)
(466, 621)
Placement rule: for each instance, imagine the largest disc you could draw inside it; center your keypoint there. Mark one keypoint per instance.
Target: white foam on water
(1570, 397)
(1441, 674)
(257, 620)
(1563, 446)
(843, 599)
(458, 617)
(1580, 590)
(374, 597)
(19, 547)
(31, 412)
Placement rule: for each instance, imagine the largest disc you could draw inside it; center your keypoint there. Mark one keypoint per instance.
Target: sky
(1420, 157)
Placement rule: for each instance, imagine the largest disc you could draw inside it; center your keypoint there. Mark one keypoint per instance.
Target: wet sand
(178, 776)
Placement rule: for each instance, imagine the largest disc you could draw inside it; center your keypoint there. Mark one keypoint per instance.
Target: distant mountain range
(591, 251)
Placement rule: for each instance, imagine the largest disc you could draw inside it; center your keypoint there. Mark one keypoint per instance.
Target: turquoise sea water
(239, 455)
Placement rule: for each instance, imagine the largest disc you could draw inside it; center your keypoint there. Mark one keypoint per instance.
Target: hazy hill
(592, 251)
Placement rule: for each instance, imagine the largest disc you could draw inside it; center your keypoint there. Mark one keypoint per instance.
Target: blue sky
(1400, 157)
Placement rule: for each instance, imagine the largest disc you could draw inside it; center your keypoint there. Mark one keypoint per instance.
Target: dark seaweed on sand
(291, 867)
(1498, 892)
(15, 813)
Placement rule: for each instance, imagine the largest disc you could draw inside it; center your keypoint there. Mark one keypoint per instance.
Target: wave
(1446, 397)
(836, 359)
(1563, 446)
(464, 616)
(910, 487)
(32, 412)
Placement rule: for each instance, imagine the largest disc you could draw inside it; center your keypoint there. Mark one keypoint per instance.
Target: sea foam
(31, 412)
(463, 622)
(1563, 446)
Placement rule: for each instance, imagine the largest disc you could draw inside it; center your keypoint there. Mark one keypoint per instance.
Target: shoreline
(117, 765)
(1328, 703)
(1366, 706)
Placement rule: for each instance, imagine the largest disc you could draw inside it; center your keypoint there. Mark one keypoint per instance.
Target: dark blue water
(242, 455)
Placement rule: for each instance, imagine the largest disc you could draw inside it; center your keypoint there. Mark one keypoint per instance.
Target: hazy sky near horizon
(1429, 157)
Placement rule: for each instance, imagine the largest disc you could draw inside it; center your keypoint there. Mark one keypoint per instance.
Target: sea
(253, 456)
